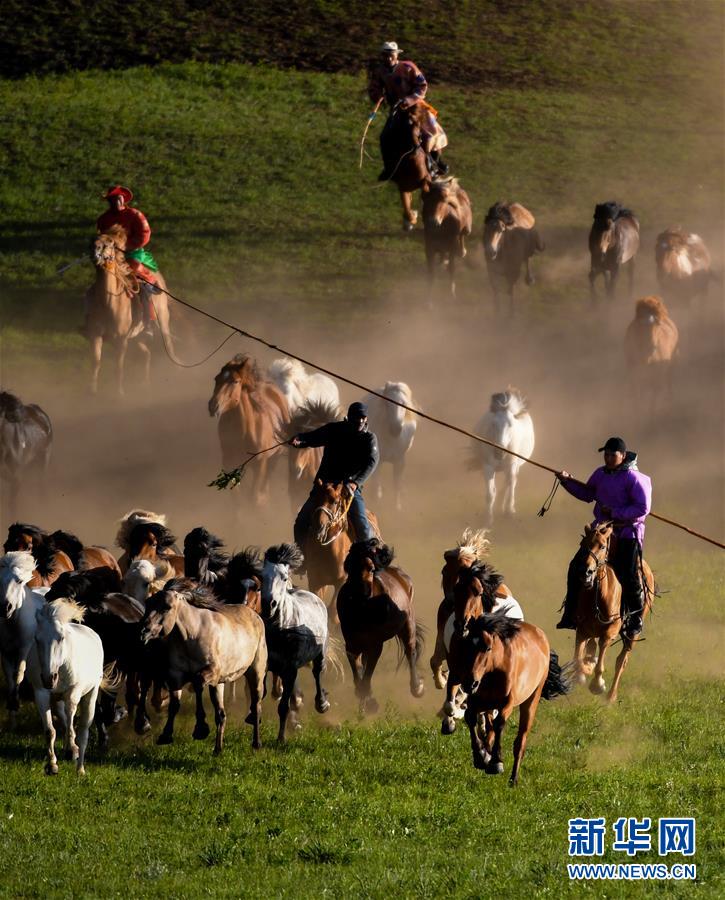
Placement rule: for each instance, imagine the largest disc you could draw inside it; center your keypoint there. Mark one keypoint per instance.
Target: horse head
(28, 538)
(593, 552)
(498, 220)
(240, 374)
(51, 620)
(243, 581)
(453, 561)
(327, 519)
(109, 247)
(365, 558)
(148, 540)
(474, 594)
(16, 570)
(279, 562)
(145, 577)
(162, 611)
(480, 642)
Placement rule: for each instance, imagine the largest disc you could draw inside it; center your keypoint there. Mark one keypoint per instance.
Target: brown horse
(83, 557)
(50, 562)
(110, 308)
(502, 664)
(26, 440)
(252, 415)
(447, 220)
(509, 242)
(650, 350)
(598, 614)
(404, 157)
(154, 542)
(683, 264)
(303, 462)
(613, 242)
(375, 605)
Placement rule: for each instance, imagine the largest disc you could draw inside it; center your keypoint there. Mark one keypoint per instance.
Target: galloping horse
(509, 242)
(84, 557)
(26, 439)
(613, 242)
(374, 605)
(395, 428)
(650, 350)
(404, 157)
(110, 308)
(49, 560)
(302, 389)
(252, 415)
(598, 613)
(683, 264)
(448, 220)
(501, 664)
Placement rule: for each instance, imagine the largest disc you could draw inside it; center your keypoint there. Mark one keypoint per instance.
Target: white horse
(395, 428)
(145, 577)
(508, 424)
(18, 608)
(300, 388)
(66, 663)
(296, 628)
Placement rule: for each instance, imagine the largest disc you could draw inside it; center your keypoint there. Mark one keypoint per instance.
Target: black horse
(613, 242)
(26, 439)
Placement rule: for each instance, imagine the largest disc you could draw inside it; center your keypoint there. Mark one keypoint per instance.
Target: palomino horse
(110, 308)
(207, 643)
(598, 613)
(303, 462)
(296, 628)
(509, 242)
(66, 665)
(508, 424)
(404, 157)
(329, 539)
(613, 242)
(650, 350)
(375, 605)
(83, 557)
(395, 428)
(252, 415)
(683, 264)
(302, 389)
(49, 560)
(447, 220)
(503, 663)
(26, 440)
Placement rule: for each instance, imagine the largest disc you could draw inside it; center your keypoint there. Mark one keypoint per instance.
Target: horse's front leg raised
(619, 668)
(597, 685)
(322, 704)
(495, 765)
(167, 735)
(436, 661)
(70, 747)
(410, 645)
(481, 756)
(96, 344)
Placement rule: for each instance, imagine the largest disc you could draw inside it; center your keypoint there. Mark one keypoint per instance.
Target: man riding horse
(350, 457)
(623, 496)
(138, 233)
(402, 85)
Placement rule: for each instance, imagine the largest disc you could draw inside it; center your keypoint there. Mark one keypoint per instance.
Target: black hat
(357, 411)
(614, 444)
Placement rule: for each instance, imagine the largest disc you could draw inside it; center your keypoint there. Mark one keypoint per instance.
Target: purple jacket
(626, 491)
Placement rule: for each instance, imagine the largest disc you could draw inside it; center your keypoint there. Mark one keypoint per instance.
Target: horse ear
(587, 529)
(318, 482)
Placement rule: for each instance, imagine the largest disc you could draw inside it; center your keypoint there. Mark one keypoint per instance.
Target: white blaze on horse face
(492, 241)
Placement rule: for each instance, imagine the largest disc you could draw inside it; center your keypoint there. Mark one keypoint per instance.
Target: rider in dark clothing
(350, 456)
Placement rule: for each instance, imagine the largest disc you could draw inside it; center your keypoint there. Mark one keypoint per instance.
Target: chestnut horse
(404, 157)
(252, 415)
(683, 264)
(49, 560)
(613, 242)
(110, 308)
(503, 663)
(447, 220)
(374, 605)
(598, 613)
(650, 350)
(154, 542)
(83, 557)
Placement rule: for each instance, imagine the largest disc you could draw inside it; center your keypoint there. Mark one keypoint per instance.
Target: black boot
(632, 615)
(384, 175)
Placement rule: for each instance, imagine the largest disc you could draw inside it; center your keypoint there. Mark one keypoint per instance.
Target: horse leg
(322, 704)
(495, 765)
(289, 676)
(612, 283)
(167, 735)
(527, 713)
(398, 470)
(410, 217)
(146, 351)
(481, 757)
(101, 727)
(355, 660)
(216, 692)
(511, 474)
(70, 747)
(96, 349)
(490, 476)
(580, 667)
(619, 668)
(430, 258)
(255, 682)
(201, 729)
(13, 701)
(597, 685)
(410, 646)
(452, 273)
(368, 704)
(142, 723)
(630, 274)
(437, 660)
(86, 710)
(42, 701)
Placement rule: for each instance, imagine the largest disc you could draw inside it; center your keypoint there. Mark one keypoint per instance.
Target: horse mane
(490, 580)
(129, 522)
(44, 548)
(85, 586)
(206, 546)
(249, 368)
(399, 390)
(497, 624)
(245, 564)
(284, 555)
(155, 574)
(286, 367)
(381, 554)
(474, 543)
(511, 400)
(651, 306)
(64, 610)
(164, 538)
(19, 559)
(313, 414)
(11, 407)
(499, 212)
(71, 545)
(603, 212)
(195, 594)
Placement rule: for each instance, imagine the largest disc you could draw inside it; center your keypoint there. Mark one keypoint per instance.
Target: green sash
(144, 257)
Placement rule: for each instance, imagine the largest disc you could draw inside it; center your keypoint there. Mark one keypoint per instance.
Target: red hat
(118, 190)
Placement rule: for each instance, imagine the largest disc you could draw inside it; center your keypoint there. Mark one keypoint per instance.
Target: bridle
(335, 519)
(596, 580)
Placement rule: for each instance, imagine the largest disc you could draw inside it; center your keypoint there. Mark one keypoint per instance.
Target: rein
(335, 518)
(599, 574)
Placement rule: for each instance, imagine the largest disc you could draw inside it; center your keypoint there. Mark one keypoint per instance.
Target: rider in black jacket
(350, 456)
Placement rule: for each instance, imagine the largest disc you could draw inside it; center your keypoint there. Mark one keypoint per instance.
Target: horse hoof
(81, 770)
(217, 751)
(251, 719)
(439, 681)
(322, 706)
(165, 739)
(142, 727)
(417, 689)
(597, 687)
(119, 714)
(296, 701)
(448, 725)
(494, 768)
(200, 732)
(51, 769)
(480, 761)
(581, 678)
(369, 706)
(408, 226)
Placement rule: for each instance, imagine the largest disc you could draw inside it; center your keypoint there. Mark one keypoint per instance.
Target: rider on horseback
(138, 232)
(350, 456)
(402, 84)
(623, 496)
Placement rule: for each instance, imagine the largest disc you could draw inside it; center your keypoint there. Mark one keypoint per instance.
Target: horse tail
(421, 632)
(335, 656)
(558, 680)
(112, 679)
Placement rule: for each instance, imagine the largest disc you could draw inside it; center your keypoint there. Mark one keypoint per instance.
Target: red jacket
(405, 80)
(133, 222)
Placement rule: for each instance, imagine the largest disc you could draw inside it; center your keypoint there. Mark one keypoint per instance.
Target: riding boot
(570, 601)
(384, 175)
(633, 610)
(438, 162)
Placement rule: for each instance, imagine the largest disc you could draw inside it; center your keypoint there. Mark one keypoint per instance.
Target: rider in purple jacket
(623, 495)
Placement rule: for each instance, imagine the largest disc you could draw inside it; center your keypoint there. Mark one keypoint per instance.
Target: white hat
(390, 47)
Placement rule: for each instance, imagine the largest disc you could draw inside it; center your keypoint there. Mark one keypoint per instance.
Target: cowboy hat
(390, 47)
(118, 190)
